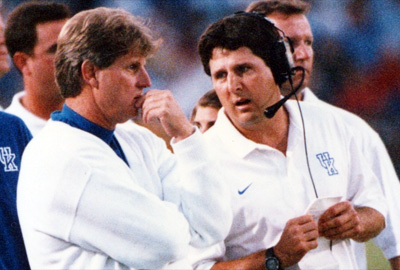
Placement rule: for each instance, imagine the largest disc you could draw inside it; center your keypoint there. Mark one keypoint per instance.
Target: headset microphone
(271, 110)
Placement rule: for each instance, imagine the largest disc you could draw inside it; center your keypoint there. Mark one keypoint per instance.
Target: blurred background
(357, 59)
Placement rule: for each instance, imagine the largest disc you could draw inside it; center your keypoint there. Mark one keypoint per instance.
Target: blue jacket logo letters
(327, 162)
(7, 158)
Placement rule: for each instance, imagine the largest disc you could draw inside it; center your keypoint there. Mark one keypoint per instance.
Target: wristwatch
(271, 261)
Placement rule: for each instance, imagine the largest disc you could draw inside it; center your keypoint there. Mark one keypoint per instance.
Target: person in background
(94, 194)
(299, 189)
(290, 17)
(31, 38)
(204, 114)
(14, 136)
(4, 64)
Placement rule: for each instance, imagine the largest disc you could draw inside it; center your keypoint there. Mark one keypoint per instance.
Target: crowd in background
(357, 45)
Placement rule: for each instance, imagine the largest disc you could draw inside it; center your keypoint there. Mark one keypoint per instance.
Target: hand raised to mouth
(160, 105)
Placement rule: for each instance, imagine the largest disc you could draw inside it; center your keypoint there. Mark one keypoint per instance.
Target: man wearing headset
(290, 17)
(279, 166)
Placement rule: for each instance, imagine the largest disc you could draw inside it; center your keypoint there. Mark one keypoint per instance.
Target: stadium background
(357, 59)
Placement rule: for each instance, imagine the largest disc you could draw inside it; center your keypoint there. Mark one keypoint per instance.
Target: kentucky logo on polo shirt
(7, 158)
(327, 162)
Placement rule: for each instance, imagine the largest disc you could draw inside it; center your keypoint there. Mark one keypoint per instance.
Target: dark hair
(99, 35)
(287, 7)
(20, 33)
(209, 99)
(245, 29)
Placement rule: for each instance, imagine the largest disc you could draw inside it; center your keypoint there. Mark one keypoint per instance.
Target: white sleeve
(191, 178)
(389, 239)
(378, 159)
(205, 258)
(364, 189)
(202, 190)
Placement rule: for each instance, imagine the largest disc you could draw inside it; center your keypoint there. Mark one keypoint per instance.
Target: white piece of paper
(321, 257)
(320, 205)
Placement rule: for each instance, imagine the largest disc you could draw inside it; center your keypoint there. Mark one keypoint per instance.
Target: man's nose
(302, 52)
(234, 83)
(144, 79)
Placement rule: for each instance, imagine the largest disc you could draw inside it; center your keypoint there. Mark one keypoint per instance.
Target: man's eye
(220, 75)
(308, 42)
(52, 49)
(243, 69)
(133, 67)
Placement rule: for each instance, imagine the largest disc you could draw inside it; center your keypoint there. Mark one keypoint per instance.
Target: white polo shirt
(33, 122)
(269, 188)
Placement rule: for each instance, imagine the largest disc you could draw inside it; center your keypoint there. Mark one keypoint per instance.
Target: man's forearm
(395, 263)
(372, 223)
(255, 261)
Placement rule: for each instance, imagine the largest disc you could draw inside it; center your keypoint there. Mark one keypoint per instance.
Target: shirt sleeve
(205, 258)
(389, 239)
(364, 189)
(195, 182)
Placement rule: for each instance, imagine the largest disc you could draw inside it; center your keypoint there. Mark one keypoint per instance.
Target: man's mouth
(138, 101)
(242, 102)
(299, 73)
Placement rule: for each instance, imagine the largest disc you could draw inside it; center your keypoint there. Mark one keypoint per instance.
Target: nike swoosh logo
(240, 192)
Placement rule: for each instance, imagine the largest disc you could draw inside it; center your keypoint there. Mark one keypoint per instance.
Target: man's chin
(245, 120)
(136, 114)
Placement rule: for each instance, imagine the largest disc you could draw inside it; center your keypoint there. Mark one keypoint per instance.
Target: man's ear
(88, 70)
(20, 60)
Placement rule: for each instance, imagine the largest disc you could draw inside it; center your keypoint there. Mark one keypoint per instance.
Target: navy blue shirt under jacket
(74, 119)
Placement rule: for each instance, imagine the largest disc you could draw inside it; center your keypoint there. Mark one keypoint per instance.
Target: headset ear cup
(282, 62)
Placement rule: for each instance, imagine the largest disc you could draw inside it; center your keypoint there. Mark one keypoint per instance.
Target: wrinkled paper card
(321, 257)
